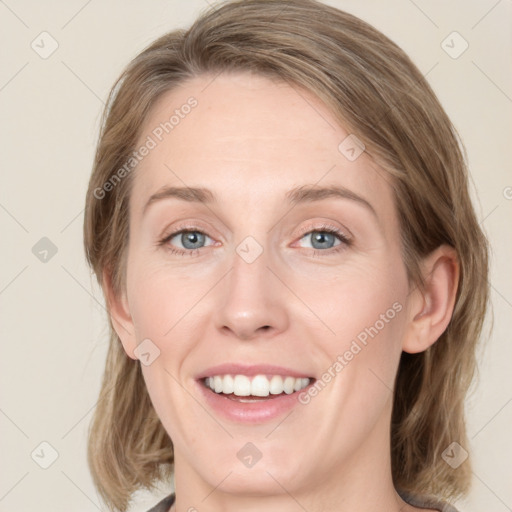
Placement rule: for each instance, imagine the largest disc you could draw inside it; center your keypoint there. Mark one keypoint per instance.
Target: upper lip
(250, 370)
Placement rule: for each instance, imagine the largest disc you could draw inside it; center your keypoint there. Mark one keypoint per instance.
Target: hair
(375, 91)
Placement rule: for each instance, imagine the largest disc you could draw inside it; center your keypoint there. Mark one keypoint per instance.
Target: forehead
(249, 138)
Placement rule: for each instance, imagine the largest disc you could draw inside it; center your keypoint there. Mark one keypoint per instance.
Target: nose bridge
(251, 302)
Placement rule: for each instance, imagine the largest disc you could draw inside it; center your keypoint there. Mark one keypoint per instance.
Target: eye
(325, 239)
(185, 241)
(190, 239)
(321, 239)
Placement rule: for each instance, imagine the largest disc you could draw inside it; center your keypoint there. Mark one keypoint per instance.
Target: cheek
(161, 299)
(367, 312)
(364, 299)
(358, 364)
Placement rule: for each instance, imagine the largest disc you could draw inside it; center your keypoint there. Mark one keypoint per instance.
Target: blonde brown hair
(375, 92)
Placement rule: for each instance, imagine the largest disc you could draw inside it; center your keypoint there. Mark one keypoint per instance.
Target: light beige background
(53, 328)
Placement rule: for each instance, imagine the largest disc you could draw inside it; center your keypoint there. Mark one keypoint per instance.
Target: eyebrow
(311, 193)
(190, 194)
(302, 194)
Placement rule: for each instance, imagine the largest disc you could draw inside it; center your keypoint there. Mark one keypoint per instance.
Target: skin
(250, 141)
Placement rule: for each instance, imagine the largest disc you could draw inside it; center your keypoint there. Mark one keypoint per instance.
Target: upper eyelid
(302, 231)
(326, 227)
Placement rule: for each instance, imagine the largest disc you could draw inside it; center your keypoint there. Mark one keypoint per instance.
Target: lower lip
(250, 412)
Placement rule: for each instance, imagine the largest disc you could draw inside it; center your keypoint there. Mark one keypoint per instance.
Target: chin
(254, 472)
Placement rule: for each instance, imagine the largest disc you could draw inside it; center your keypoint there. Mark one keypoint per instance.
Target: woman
(296, 280)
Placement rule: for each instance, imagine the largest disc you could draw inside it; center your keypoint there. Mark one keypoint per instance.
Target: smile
(252, 394)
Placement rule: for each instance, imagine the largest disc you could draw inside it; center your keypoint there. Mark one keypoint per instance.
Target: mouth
(252, 394)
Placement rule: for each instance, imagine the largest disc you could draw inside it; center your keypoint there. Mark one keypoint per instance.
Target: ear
(430, 310)
(119, 312)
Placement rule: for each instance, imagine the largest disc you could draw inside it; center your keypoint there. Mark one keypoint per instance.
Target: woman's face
(291, 270)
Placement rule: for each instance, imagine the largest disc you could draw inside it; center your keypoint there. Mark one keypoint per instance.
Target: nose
(252, 301)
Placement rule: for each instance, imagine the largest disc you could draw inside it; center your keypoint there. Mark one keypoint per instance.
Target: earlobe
(117, 307)
(431, 309)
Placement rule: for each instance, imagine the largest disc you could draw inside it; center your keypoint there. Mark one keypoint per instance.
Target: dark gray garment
(425, 502)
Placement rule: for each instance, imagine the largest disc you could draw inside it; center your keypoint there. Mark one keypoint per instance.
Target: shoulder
(164, 505)
(427, 502)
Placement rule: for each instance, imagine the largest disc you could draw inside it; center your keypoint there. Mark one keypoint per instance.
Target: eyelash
(345, 241)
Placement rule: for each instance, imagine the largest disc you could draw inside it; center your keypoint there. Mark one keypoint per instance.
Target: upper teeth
(259, 385)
